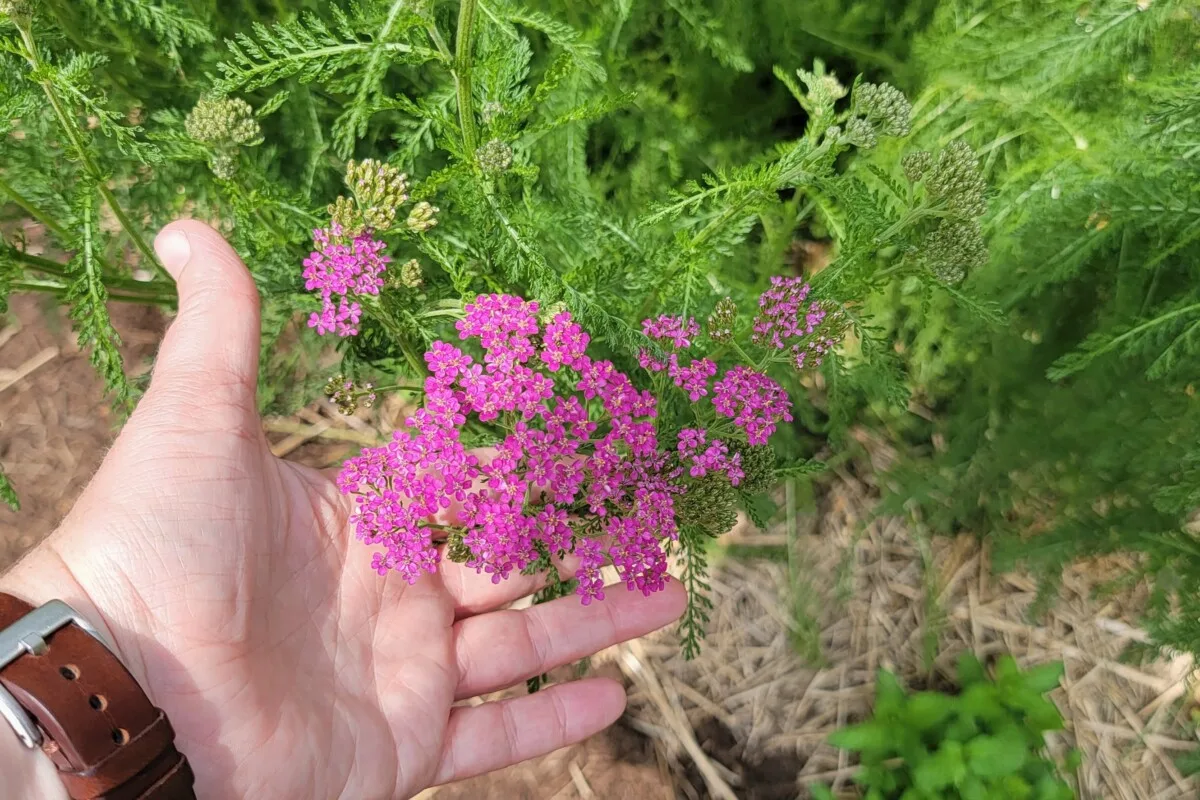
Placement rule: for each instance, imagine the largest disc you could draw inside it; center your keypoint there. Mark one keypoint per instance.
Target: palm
(233, 588)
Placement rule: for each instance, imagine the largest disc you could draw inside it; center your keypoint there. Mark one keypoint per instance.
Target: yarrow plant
(380, 163)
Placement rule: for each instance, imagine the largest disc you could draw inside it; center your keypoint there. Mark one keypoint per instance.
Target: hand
(234, 591)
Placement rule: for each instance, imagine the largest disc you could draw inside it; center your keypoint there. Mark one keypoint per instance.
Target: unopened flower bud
(422, 217)
(224, 164)
(494, 157)
(223, 122)
(721, 321)
(344, 213)
(860, 133)
(955, 248)
(347, 397)
(410, 274)
(549, 312)
(917, 165)
(709, 504)
(955, 179)
(490, 111)
(758, 464)
(885, 107)
(19, 11)
(457, 550)
(380, 190)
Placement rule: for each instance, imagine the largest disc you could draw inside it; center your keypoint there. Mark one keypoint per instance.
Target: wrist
(26, 772)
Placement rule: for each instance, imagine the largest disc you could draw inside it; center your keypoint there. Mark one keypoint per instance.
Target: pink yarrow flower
(339, 270)
(555, 456)
(753, 401)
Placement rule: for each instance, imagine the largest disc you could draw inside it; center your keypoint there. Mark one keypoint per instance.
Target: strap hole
(98, 702)
(70, 672)
(120, 736)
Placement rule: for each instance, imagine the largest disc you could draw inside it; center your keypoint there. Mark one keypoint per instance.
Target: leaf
(970, 670)
(866, 737)
(889, 694)
(999, 755)
(820, 791)
(8, 494)
(944, 768)
(810, 467)
(1044, 678)
(927, 710)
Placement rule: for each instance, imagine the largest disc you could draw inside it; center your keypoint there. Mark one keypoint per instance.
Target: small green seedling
(984, 743)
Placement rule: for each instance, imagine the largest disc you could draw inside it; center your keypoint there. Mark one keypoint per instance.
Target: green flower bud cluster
(456, 550)
(709, 504)
(549, 312)
(410, 274)
(917, 165)
(953, 184)
(19, 11)
(721, 321)
(955, 179)
(421, 218)
(348, 397)
(494, 158)
(380, 190)
(885, 107)
(491, 110)
(224, 124)
(860, 133)
(758, 462)
(824, 90)
(954, 248)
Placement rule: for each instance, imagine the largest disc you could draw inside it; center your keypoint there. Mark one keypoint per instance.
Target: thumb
(210, 353)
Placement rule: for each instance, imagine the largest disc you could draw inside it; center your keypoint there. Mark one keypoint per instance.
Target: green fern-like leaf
(8, 495)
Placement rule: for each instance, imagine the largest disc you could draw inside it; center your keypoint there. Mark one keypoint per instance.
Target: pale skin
(233, 589)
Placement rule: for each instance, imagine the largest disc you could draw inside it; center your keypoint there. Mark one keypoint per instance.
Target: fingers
(474, 593)
(505, 647)
(210, 351)
(488, 737)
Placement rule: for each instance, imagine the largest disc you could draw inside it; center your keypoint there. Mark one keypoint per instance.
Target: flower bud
(860, 133)
(955, 248)
(758, 464)
(955, 179)
(19, 11)
(380, 190)
(917, 165)
(491, 110)
(885, 107)
(721, 321)
(410, 274)
(709, 504)
(223, 122)
(421, 218)
(495, 157)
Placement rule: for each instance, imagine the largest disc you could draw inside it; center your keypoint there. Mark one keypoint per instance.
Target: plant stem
(119, 296)
(463, 58)
(89, 164)
(29, 208)
(50, 267)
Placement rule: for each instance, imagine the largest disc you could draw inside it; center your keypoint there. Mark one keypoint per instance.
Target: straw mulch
(877, 595)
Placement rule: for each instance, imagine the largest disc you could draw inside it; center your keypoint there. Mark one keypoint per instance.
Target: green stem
(29, 208)
(50, 267)
(463, 60)
(89, 164)
(55, 288)
(399, 387)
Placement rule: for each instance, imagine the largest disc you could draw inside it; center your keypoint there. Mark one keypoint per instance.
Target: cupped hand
(231, 586)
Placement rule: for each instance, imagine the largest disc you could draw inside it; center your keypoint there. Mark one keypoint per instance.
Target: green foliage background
(1059, 377)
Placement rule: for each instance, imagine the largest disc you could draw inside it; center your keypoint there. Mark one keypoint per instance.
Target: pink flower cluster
(677, 333)
(339, 269)
(570, 475)
(704, 456)
(785, 315)
(753, 401)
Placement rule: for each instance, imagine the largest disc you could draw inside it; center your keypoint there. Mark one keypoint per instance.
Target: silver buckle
(28, 636)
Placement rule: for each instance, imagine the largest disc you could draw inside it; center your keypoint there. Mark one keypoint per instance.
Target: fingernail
(173, 250)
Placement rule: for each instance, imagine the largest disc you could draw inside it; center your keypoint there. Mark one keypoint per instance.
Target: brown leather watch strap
(107, 739)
